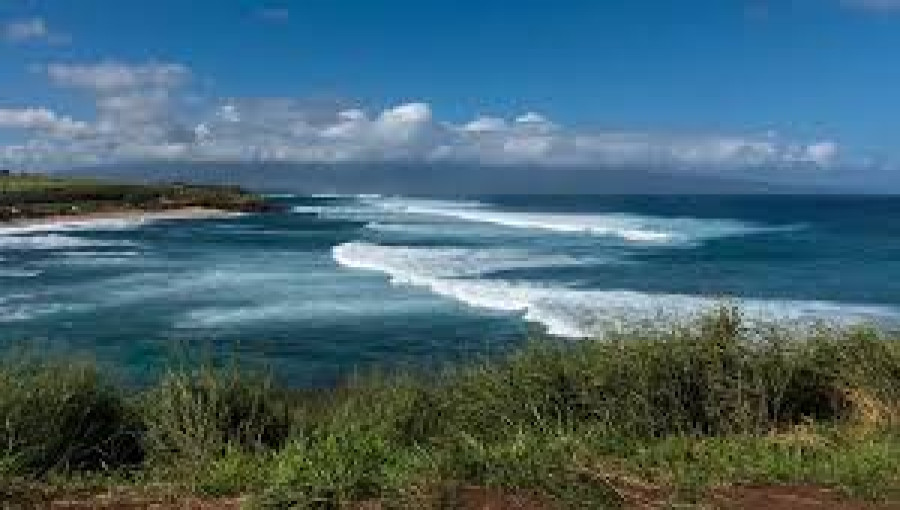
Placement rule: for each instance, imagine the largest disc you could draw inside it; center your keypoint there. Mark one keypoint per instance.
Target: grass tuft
(64, 417)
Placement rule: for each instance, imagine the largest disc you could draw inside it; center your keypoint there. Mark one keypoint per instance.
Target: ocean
(339, 284)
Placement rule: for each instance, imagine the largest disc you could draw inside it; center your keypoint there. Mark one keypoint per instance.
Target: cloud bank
(141, 112)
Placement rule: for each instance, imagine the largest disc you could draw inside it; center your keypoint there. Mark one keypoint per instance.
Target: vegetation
(30, 196)
(592, 424)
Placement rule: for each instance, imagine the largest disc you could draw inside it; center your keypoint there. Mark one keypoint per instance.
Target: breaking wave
(564, 311)
(393, 214)
(629, 227)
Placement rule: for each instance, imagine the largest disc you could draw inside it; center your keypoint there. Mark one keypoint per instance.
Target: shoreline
(138, 216)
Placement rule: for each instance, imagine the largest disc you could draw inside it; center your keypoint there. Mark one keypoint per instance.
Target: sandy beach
(130, 217)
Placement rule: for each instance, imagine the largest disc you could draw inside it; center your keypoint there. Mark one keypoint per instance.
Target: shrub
(713, 377)
(192, 418)
(64, 417)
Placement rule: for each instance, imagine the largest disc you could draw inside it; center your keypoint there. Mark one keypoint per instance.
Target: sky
(787, 90)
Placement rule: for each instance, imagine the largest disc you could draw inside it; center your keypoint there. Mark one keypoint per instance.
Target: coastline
(137, 216)
(35, 201)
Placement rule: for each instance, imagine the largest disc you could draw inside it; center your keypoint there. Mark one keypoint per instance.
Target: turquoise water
(343, 283)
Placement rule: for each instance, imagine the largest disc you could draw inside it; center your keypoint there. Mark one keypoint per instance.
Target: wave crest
(568, 312)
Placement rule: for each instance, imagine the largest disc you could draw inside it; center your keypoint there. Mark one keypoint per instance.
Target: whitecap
(115, 223)
(99, 254)
(633, 228)
(19, 273)
(20, 312)
(54, 242)
(74, 225)
(446, 262)
(578, 313)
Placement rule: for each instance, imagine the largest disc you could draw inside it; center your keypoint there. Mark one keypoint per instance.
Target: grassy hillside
(661, 415)
(37, 196)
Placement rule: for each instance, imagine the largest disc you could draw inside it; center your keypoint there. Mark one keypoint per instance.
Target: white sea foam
(99, 254)
(571, 312)
(361, 212)
(19, 273)
(225, 316)
(335, 211)
(95, 258)
(75, 225)
(309, 209)
(396, 215)
(25, 311)
(124, 222)
(54, 242)
(629, 227)
(324, 309)
(408, 262)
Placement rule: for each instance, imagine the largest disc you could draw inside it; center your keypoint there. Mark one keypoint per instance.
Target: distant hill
(435, 179)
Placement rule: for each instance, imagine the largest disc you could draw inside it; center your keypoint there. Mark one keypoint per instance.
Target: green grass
(37, 196)
(683, 408)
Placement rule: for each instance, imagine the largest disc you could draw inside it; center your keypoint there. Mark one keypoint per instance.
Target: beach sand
(77, 220)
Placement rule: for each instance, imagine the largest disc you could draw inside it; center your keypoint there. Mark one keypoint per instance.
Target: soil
(792, 497)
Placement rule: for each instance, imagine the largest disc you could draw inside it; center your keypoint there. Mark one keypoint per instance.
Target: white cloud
(484, 124)
(137, 106)
(139, 115)
(110, 77)
(822, 153)
(31, 29)
(532, 118)
(43, 120)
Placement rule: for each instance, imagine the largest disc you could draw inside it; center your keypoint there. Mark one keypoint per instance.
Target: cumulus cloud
(139, 114)
(31, 29)
(821, 153)
(138, 109)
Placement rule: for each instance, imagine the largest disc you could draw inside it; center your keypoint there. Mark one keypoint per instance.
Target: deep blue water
(343, 283)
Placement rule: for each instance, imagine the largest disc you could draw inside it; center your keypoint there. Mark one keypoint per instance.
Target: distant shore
(30, 199)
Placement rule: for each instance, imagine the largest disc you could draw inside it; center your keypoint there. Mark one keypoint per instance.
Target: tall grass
(198, 415)
(64, 417)
(709, 402)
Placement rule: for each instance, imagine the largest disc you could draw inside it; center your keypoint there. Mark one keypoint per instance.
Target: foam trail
(99, 254)
(629, 227)
(19, 273)
(124, 222)
(53, 242)
(74, 225)
(570, 312)
(407, 262)
(20, 312)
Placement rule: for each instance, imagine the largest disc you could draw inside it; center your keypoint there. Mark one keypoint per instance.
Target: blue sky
(707, 84)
